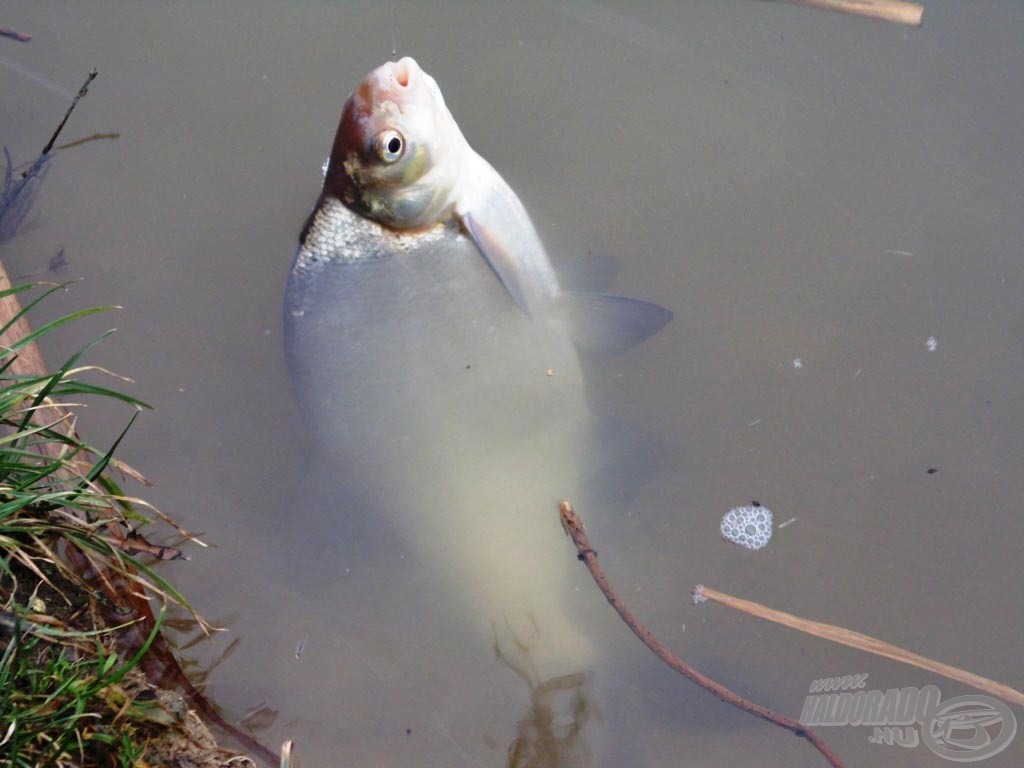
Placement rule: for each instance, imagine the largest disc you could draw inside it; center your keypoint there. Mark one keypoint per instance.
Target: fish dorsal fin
(599, 322)
(499, 258)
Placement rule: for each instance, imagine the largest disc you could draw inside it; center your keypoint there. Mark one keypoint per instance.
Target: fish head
(398, 152)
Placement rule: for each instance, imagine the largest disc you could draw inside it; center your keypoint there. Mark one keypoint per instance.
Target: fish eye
(389, 146)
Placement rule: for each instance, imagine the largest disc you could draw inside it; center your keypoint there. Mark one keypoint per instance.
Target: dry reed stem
(863, 643)
(886, 10)
(574, 528)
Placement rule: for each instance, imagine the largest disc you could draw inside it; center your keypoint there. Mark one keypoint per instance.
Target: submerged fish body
(435, 403)
(432, 351)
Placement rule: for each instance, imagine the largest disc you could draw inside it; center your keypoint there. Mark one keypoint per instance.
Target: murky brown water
(794, 185)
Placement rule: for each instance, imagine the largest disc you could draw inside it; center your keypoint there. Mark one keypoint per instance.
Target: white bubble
(750, 527)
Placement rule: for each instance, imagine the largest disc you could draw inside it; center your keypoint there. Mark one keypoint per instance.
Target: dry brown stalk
(863, 643)
(886, 10)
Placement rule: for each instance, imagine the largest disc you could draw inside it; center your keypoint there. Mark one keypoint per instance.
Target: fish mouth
(404, 70)
(393, 81)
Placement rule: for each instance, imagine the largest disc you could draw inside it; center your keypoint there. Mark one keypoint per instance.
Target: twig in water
(111, 136)
(81, 92)
(886, 10)
(574, 528)
(21, 37)
(862, 643)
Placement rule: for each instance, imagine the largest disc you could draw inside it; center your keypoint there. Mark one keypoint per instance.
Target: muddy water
(816, 198)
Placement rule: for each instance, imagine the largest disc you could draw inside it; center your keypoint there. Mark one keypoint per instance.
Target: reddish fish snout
(403, 71)
(393, 80)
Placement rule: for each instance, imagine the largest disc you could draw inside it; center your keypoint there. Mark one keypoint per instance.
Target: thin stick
(81, 92)
(86, 139)
(21, 37)
(573, 526)
(862, 643)
(886, 10)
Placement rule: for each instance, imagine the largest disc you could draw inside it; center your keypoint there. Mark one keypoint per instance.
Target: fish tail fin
(604, 323)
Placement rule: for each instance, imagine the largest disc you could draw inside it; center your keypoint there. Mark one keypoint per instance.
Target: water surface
(794, 185)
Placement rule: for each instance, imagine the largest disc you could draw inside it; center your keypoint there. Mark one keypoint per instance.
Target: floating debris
(798, 363)
(932, 344)
(750, 527)
(21, 37)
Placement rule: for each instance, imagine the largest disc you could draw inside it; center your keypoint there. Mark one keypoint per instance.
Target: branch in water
(573, 526)
(94, 137)
(21, 37)
(81, 92)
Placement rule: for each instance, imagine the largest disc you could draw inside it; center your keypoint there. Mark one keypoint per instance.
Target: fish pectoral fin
(603, 323)
(498, 258)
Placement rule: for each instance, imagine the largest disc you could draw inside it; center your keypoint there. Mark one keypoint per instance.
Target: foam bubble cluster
(750, 527)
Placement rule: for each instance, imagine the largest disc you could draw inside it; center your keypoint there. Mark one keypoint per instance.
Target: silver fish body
(436, 404)
(433, 352)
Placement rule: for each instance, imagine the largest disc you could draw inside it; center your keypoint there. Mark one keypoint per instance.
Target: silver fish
(434, 355)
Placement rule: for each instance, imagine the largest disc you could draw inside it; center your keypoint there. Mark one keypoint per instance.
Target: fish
(436, 359)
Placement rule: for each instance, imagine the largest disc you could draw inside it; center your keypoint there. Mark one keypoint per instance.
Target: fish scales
(434, 402)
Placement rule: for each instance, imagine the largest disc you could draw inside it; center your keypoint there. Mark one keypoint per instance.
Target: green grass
(63, 702)
(65, 699)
